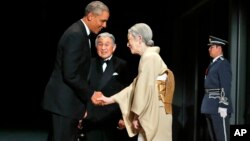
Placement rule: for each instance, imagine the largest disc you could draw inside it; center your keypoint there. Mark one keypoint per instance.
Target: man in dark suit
(108, 74)
(67, 90)
(216, 104)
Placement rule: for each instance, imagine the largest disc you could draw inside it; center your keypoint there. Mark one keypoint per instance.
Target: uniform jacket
(141, 96)
(218, 75)
(67, 89)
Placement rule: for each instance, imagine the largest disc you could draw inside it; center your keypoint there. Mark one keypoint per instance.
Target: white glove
(222, 111)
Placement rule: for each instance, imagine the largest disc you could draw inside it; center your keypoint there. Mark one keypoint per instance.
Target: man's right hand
(121, 124)
(95, 96)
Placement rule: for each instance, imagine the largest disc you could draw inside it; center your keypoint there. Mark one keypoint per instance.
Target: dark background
(31, 31)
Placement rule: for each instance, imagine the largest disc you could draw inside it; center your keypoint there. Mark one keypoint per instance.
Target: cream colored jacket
(142, 96)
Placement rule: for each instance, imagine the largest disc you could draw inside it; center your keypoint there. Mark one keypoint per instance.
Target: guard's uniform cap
(216, 41)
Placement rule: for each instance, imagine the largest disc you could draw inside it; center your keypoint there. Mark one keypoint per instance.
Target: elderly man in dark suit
(67, 90)
(216, 104)
(108, 74)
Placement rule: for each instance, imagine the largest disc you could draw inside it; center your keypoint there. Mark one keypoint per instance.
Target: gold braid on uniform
(223, 98)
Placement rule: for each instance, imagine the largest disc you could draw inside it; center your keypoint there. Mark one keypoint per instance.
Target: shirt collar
(108, 58)
(87, 29)
(216, 58)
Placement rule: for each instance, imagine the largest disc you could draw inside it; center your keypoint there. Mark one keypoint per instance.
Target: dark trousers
(63, 129)
(218, 127)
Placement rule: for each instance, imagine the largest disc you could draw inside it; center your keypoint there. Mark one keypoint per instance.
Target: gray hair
(105, 34)
(144, 30)
(96, 7)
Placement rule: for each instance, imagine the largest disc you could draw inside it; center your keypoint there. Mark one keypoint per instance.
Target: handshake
(96, 98)
(99, 99)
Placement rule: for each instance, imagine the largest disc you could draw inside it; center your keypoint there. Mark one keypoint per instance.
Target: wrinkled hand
(136, 123)
(95, 97)
(105, 100)
(121, 124)
(222, 111)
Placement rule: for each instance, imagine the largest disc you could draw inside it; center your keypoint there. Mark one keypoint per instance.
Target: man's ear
(90, 16)
(114, 48)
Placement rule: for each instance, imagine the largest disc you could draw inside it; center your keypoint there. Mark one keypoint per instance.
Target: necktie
(104, 64)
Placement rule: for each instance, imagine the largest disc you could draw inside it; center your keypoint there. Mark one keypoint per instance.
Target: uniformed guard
(216, 103)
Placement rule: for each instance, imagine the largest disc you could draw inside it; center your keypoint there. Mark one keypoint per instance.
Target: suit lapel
(95, 74)
(107, 74)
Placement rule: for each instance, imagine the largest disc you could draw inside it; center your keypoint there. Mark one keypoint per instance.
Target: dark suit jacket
(67, 89)
(102, 121)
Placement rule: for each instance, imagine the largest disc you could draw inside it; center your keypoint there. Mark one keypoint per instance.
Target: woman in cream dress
(142, 104)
